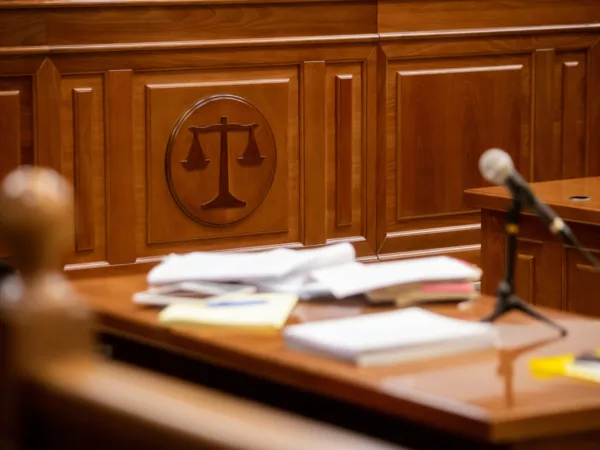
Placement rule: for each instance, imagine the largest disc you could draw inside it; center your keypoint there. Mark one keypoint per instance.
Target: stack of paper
(250, 267)
(385, 338)
(202, 275)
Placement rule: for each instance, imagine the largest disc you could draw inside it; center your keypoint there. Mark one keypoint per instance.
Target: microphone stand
(506, 299)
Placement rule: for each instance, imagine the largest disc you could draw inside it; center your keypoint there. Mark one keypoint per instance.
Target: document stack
(251, 285)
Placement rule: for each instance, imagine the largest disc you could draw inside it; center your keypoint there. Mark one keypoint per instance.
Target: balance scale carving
(196, 159)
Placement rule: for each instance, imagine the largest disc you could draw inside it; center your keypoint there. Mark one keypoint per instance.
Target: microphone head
(496, 166)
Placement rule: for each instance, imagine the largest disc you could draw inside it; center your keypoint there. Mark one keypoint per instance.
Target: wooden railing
(55, 392)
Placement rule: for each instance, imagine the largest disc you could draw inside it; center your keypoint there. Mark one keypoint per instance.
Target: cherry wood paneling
(16, 120)
(546, 168)
(343, 149)
(347, 163)
(593, 111)
(560, 110)
(165, 26)
(572, 140)
(186, 168)
(47, 120)
(314, 138)
(10, 131)
(538, 273)
(83, 163)
(118, 110)
(441, 115)
(435, 16)
(82, 127)
(379, 112)
(581, 284)
(24, 86)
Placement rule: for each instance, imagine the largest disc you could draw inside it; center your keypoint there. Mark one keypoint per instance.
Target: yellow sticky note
(249, 311)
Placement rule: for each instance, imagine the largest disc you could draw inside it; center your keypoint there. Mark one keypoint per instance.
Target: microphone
(496, 166)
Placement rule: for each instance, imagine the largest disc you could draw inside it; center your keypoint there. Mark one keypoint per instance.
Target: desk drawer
(582, 284)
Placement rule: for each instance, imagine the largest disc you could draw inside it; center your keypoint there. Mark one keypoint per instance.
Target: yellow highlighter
(581, 367)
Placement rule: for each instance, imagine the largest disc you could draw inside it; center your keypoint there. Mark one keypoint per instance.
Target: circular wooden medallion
(221, 160)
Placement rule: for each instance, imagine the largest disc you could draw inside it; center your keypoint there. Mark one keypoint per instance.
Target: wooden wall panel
(560, 115)
(48, 145)
(76, 27)
(376, 136)
(347, 155)
(118, 110)
(593, 111)
(580, 284)
(10, 132)
(314, 138)
(16, 124)
(83, 162)
(343, 149)
(460, 15)
(176, 217)
(84, 190)
(23, 85)
(547, 167)
(441, 116)
(533, 259)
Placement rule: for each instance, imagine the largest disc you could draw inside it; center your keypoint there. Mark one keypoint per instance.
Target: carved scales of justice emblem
(206, 190)
(196, 159)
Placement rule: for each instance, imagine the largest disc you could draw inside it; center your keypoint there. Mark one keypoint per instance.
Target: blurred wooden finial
(47, 318)
(35, 214)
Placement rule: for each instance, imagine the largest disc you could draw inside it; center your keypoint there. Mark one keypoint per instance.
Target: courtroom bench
(548, 272)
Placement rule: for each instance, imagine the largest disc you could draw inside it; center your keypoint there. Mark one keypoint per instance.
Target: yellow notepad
(249, 311)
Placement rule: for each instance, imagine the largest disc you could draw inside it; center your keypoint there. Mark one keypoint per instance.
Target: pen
(217, 303)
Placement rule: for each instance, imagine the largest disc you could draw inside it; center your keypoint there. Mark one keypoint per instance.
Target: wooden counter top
(577, 200)
(489, 396)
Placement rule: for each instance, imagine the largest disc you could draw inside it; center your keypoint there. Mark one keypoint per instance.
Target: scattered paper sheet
(355, 278)
(249, 267)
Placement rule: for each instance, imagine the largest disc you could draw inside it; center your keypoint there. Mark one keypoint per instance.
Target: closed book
(400, 336)
(404, 295)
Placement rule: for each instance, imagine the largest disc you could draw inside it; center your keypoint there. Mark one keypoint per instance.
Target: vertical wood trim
(398, 147)
(315, 227)
(82, 140)
(493, 250)
(343, 149)
(47, 116)
(10, 132)
(369, 113)
(120, 226)
(570, 111)
(593, 119)
(382, 147)
(545, 164)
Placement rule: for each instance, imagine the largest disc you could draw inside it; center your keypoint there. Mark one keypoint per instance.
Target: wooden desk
(482, 400)
(548, 272)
